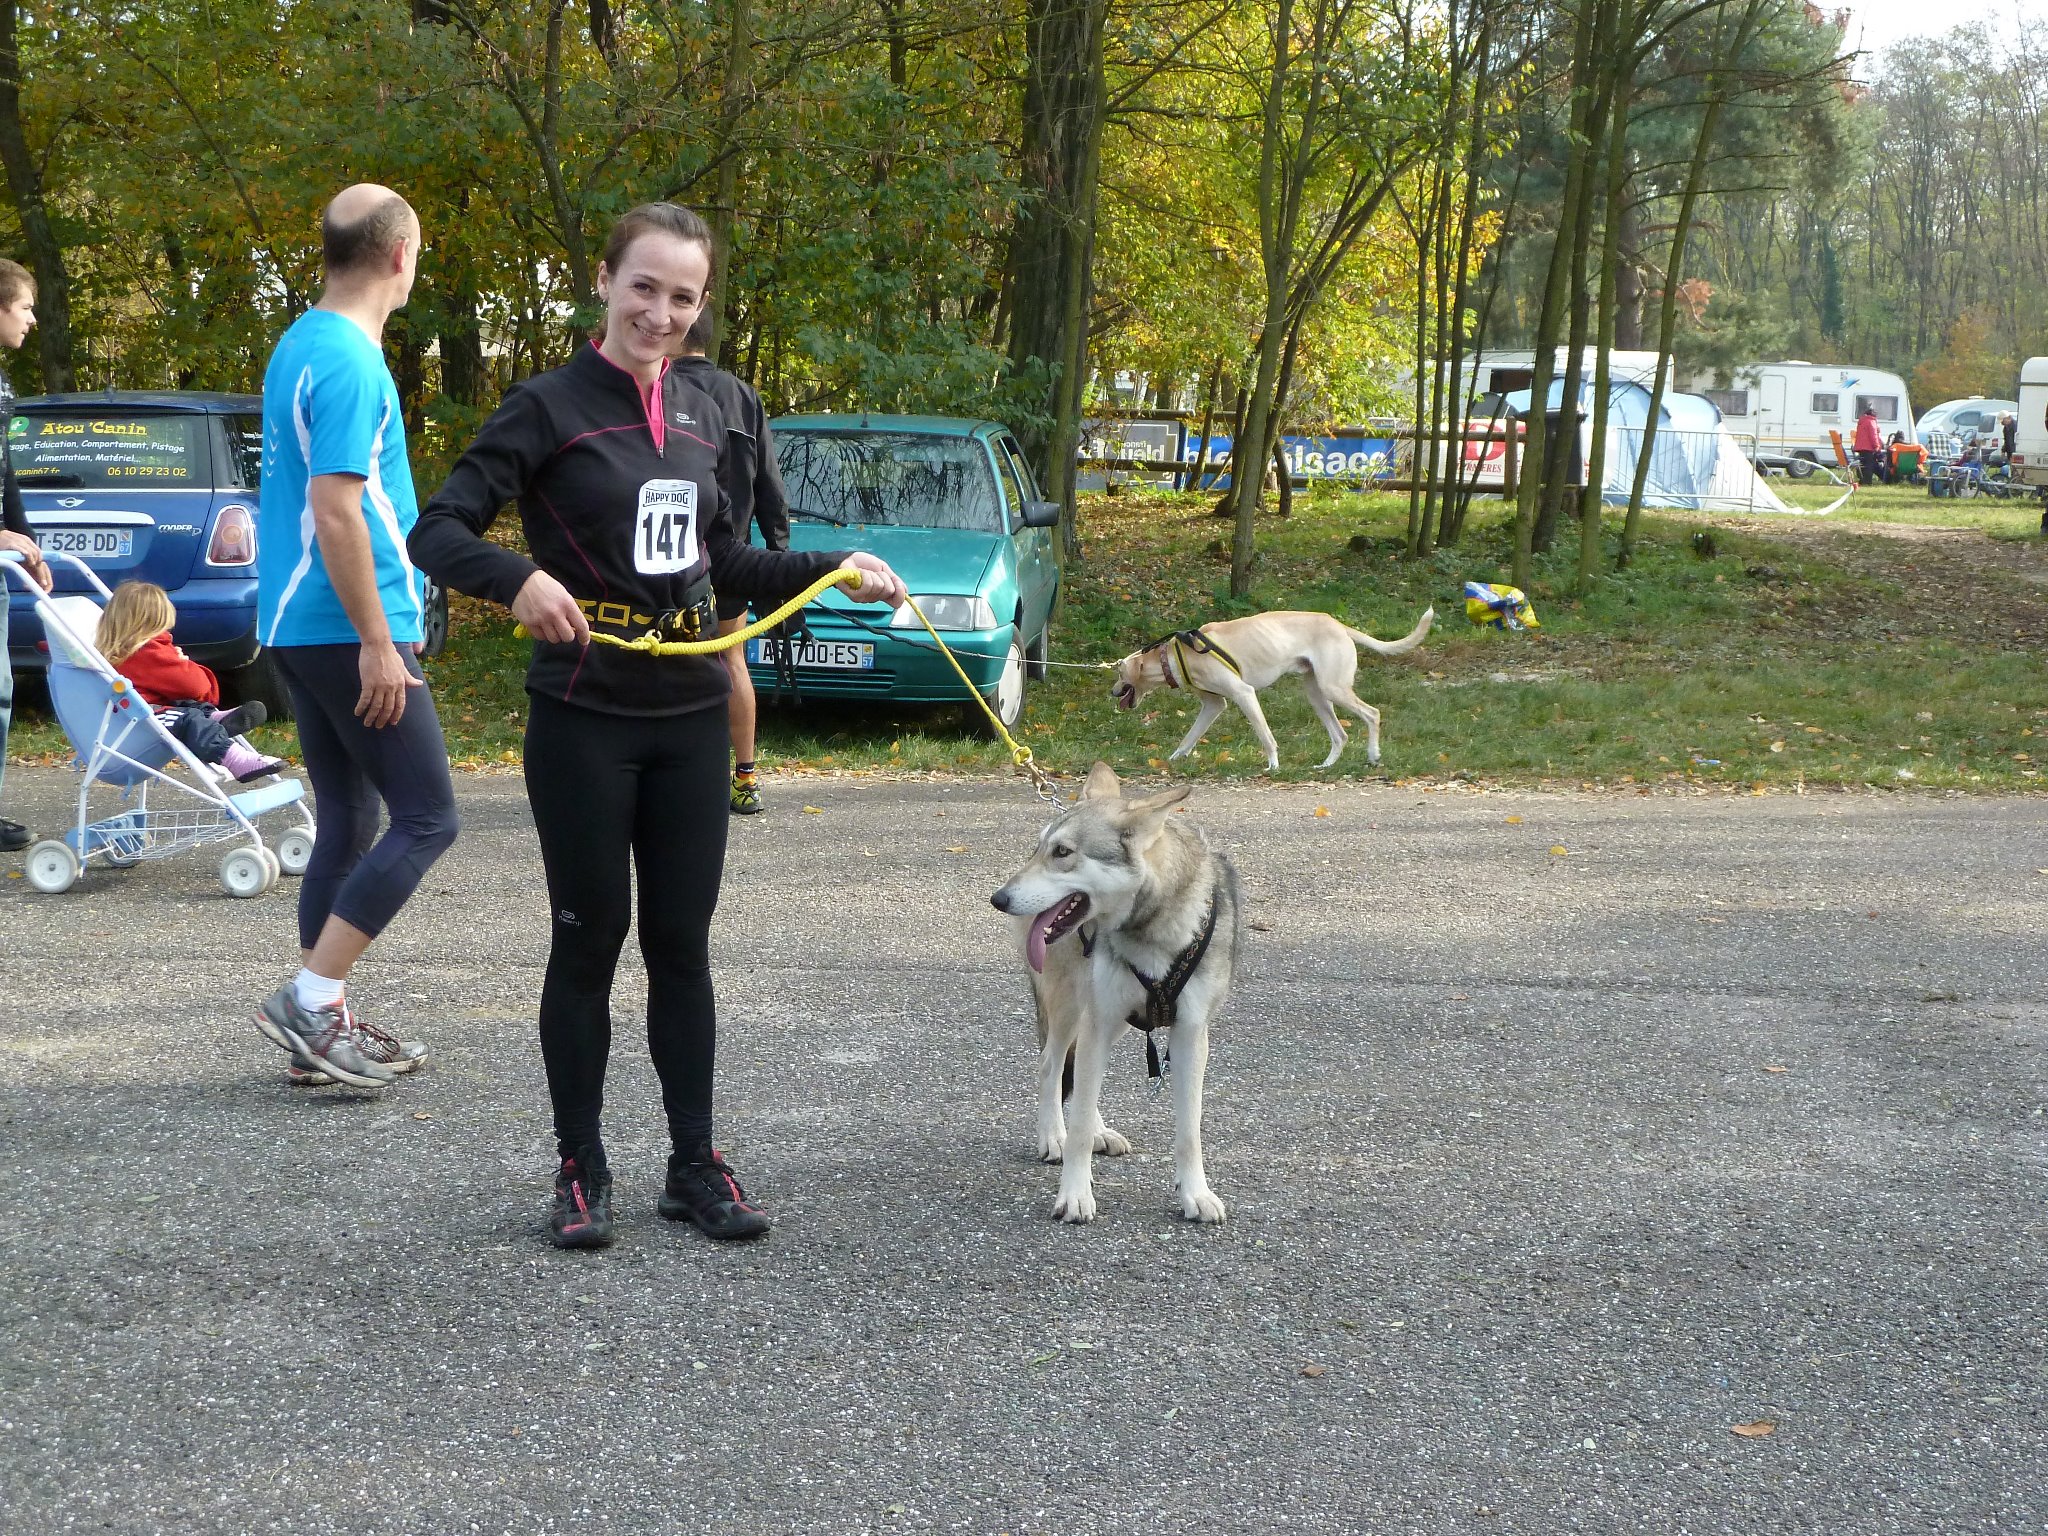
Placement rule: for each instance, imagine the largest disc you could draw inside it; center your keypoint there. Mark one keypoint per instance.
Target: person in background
(753, 484)
(1869, 446)
(2008, 432)
(339, 607)
(135, 637)
(17, 319)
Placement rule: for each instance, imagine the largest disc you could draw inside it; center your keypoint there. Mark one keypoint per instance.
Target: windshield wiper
(56, 477)
(820, 517)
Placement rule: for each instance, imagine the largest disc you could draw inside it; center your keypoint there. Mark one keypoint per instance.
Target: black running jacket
(749, 473)
(630, 521)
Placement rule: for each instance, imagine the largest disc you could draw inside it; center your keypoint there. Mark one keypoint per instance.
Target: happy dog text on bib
(665, 535)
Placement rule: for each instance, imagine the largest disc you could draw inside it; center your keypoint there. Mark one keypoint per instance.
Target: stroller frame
(132, 749)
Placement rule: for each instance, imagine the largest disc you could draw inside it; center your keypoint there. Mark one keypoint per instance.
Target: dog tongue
(1034, 941)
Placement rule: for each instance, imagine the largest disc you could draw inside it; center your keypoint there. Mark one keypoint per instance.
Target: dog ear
(1101, 783)
(1161, 803)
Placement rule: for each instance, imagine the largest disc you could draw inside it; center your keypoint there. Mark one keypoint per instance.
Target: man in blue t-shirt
(338, 606)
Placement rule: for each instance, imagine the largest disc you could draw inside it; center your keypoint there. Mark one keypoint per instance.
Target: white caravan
(1788, 409)
(2030, 448)
(1502, 373)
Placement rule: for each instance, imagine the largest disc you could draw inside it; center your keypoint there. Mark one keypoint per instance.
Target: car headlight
(946, 612)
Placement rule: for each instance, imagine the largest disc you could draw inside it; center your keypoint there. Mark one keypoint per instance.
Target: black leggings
(614, 795)
(359, 877)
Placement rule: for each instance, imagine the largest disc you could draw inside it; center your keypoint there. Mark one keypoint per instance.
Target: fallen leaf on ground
(1514, 821)
(422, 1114)
(1257, 926)
(1314, 1370)
(1777, 1069)
(956, 848)
(1755, 1430)
(1559, 849)
(813, 810)
(1322, 810)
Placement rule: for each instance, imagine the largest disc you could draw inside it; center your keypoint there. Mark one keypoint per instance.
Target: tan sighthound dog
(1229, 661)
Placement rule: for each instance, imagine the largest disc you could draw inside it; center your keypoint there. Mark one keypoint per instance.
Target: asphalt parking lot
(1562, 1135)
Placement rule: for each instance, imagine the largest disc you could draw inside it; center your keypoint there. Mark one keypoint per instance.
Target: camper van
(2030, 448)
(1790, 408)
(1502, 373)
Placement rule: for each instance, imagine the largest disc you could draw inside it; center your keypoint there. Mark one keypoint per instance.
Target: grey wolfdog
(1126, 916)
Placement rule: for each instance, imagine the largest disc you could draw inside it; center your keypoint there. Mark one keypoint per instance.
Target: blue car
(951, 505)
(156, 486)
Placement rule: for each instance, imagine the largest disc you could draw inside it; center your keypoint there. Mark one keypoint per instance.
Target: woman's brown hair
(137, 613)
(659, 218)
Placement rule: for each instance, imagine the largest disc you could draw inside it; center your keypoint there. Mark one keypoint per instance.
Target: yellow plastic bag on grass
(1497, 607)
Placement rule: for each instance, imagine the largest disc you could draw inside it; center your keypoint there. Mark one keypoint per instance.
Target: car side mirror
(1041, 514)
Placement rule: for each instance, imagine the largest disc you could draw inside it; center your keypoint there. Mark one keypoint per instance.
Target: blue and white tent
(1694, 463)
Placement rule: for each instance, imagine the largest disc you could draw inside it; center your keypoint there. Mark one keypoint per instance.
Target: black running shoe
(702, 1189)
(582, 1217)
(243, 718)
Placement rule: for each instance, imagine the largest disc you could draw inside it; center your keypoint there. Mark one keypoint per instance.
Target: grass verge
(1894, 643)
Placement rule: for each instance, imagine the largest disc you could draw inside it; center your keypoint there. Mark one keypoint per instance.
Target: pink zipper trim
(657, 427)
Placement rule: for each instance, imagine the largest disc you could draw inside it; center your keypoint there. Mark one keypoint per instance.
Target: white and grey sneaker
(376, 1045)
(325, 1037)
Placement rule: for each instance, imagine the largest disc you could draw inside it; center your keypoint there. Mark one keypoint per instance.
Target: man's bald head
(362, 226)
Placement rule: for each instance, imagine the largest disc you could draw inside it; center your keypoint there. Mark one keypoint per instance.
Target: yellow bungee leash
(1020, 754)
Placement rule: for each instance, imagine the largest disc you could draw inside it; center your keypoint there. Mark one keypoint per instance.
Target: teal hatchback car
(951, 505)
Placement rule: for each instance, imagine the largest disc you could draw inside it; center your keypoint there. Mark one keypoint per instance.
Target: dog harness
(1162, 996)
(1185, 640)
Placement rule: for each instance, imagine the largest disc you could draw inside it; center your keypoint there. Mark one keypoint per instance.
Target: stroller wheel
(274, 865)
(52, 867)
(245, 873)
(295, 851)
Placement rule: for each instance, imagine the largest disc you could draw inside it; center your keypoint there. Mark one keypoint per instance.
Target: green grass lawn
(1791, 651)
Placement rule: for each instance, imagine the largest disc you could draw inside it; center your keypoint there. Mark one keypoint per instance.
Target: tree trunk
(1278, 208)
(1052, 246)
(1551, 316)
(1194, 479)
(1667, 317)
(739, 53)
(25, 184)
(1628, 277)
(1594, 499)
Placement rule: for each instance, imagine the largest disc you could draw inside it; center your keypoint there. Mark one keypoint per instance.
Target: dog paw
(1202, 1205)
(1076, 1205)
(1111, 1143)
(1052, 1149)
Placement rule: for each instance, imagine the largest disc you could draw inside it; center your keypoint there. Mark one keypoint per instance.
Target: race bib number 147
(665, 535)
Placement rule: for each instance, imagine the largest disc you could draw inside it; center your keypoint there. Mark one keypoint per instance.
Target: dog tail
(1399, 647)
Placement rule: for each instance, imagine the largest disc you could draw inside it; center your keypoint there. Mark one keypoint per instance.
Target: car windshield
(889, 479)
(110, 452)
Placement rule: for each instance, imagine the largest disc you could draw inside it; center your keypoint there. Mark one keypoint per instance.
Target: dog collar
(1166, 663)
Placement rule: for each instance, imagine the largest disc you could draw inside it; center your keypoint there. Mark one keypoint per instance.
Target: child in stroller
(135, 637)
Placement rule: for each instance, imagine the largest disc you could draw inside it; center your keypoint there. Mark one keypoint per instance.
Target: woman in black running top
(613, 460)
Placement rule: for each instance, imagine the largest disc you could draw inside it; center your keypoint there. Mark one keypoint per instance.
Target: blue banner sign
(1344, 457)
(1354, 454)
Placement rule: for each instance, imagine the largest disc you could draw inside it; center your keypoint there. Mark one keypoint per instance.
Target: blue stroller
(120, 742)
